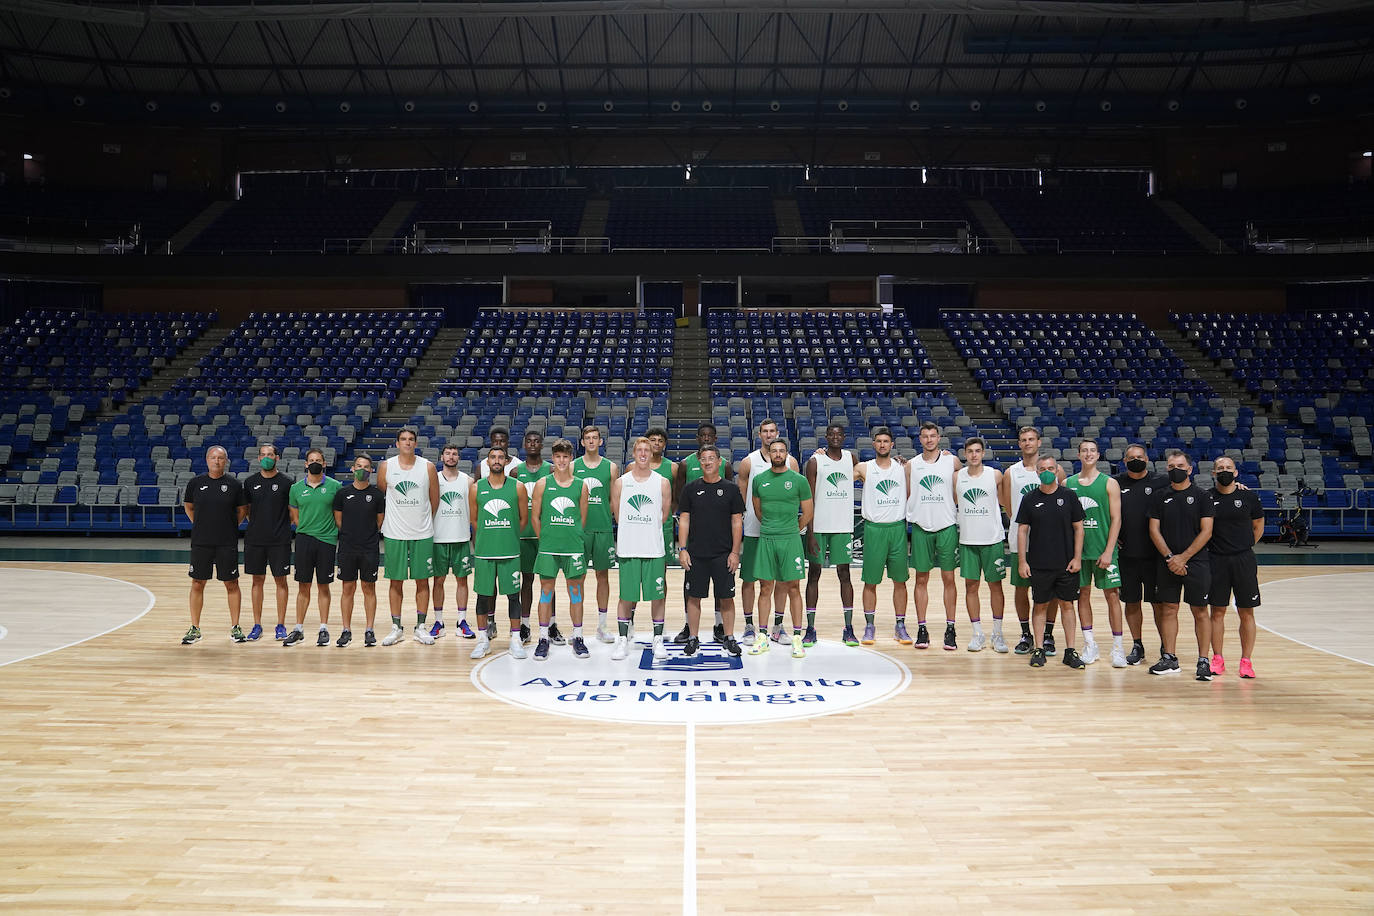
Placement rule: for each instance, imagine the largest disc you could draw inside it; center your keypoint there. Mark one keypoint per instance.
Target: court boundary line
(689, 827)
(1358, 661)
(62, 572)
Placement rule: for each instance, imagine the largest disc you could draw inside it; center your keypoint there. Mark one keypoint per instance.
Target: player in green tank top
(1100, 496)
(529, 472)
(496, 506)
(598, 535)
(560, 517)
(688, 470)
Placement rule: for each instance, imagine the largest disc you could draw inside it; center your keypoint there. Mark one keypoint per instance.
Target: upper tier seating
(1085, 220)
(295, 222)
(560, 207)
(691, 218)
(1322, 213)
(86, 217)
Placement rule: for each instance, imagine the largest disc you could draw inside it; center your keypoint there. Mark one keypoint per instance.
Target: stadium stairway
(951, 369)
(1220, 380)
(382, 234)
(992, 223)
(594, 214)
(424, 379)
(187, 234)
(689, 401)
(166, 377)
(788, 215)
(1191, 225)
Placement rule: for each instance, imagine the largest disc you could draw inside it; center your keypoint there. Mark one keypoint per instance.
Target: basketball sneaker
(730, 645)
(1090, 653)
(681, 638)
(901, 635)
(1167, 664)
(1074, 660)
(1037, 658)
(691, 646)
(236, 634)
(779, 635)
(977, 643)
(809, 638)
(541, 651)
(323, 638)
(1118, 658)
(1247, 670)
(192, 635)
(660, 651)
(1024, 646)
(556, 636)
(1137, 654)
(870, 635)
(999, 645)
(280, 632)
(517, 647)
(749, 632)
(798, 649)
(369, 639)
(603, 636)
(760, 645)
(465, 631)
(255, 633)
(345, 638)
(423, 638)
(951, 643)
(437, 631)
(396, 635)
(621, 650)
(718, 632)
(922, 637)
(848, 637)
(294, 637)
(1048, 645)
(483, 647)
(1218, 665)
(1204, 670)
(524, 634)
(579, 647)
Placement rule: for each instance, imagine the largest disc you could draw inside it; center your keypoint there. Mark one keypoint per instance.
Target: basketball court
(140, 775)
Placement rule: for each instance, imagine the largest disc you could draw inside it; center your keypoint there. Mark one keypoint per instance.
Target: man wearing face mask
(1049, 548)
(359, 511)
(1238, 524)
(317, 540)
(1180, 527)
(267, 542)
(1137, 556)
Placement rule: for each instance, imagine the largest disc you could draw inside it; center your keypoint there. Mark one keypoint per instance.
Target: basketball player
(830, 475)
(1237, 526)
(497, 437)
(411, 486)
(1020, 479)
(710, 534)
(317, 543)
(497, 506)
(358, 511)
(213, 503)
(267, 541)
(1100, 496)
(688, 470)
(560, 520)
(1138, 558)
(781, 495)
(749, 465)
(667, 468)
(1049, 549)
(981, 554)
(1180, 527)
(529, 472)
(883, 507)
(640, 499)
(599, 545)
(934, 532)
(452, 542)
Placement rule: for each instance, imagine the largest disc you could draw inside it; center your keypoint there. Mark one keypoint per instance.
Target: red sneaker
(1246, 669)
(1218, 665)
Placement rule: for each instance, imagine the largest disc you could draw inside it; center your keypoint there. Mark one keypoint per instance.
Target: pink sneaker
(1246, 669)
(1218, 665)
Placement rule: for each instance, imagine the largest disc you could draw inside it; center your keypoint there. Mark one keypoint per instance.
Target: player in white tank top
(977, 489)
(640, 501)
(832, 489)
(930, 507)
(451, 526)
(410, 496)
(930, 497)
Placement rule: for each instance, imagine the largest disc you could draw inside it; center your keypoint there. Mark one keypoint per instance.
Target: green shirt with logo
(529, 477)
(598, 492)
(1097, 515)
(560, 521)
(780, 497)
(315, 509)
(497, 524)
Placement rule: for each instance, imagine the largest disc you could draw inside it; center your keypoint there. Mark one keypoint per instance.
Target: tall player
(934, 532)
(666, 468)
(640, 499)
(750, 465)
(560, 519)
(885, 549)
(497, 507)
(981, 555)
(1100, 497)
(452, 541)
(689, 470)
(411, 485)
(599, 546)
(1021, 478)
(831, 536)
(529, 472)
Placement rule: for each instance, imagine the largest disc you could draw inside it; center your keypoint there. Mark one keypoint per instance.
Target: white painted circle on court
(710, 688)
(46, 609)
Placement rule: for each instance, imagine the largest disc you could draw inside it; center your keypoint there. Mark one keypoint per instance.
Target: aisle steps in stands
(1194, 227)
(994, 225)
(382, 234)
(689, 402)
(952, 369)
(187, 234)
(166, 377)
(1220, 380)
(593, 225)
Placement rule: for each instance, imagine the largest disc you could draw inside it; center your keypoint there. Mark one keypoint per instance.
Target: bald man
(212, 503)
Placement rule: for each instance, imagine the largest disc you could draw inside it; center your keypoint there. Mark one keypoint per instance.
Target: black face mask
(1178, 475)
(1136, 465)
(315, 468)
(1225, 478)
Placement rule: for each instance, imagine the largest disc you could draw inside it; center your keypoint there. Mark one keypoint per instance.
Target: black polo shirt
(710, 505)
(269, 511)
(1180, 514)
(358, 519)
(1134, 540)
(1051, 517)
(1233, 515)
(216, 503)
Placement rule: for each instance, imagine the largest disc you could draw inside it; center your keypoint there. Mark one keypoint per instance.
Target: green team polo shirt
(780, 497)
(315, 509)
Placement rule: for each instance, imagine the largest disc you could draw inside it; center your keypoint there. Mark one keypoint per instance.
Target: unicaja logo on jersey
(885, 488)
(403, 489)
(452, 498)
(1031, 486)
(561, 505)
(638, 502)
(592, 486)
(971, 497)
(839, 480)
(495, 507)
(1088, 504)
(932, 484)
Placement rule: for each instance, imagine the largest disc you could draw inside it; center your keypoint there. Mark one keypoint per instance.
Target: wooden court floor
(137, 775)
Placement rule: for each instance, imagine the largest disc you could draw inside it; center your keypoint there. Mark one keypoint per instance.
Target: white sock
(1116, 642)
(720, 619)
(977, 628)
(300, 628)
(438, 615)
(997, 625)
(601, 619)
(1088, 637)
(323, 627)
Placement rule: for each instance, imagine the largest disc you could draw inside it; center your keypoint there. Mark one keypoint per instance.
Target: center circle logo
(708, 688)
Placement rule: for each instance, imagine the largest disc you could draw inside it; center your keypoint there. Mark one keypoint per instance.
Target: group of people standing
(522, 522)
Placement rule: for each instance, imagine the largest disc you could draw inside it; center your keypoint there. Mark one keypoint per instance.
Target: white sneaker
(1118, 658)
(483, 647)
(1090, 653)
(630, 636)
(977, 643)
(798, 651)
(621, 650)
(603, 636)
(396, 635)
(780, 635)
(999, 644)
(422, 636)
(660, 653)
(517, 648)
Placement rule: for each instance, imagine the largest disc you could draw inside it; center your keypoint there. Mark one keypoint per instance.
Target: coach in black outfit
(1049, 545)
(1137, 557)
(213, 502)
(1237, 526)
(1181, 526)
(710, 533)
(358, 511)
(267, 540)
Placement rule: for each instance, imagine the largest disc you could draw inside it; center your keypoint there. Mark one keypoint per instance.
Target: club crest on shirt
(224, 488)
(1238, 504)
(1190, 500)
(1060, 501)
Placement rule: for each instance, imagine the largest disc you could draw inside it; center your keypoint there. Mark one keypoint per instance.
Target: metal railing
(1356, 245)
(911, 244)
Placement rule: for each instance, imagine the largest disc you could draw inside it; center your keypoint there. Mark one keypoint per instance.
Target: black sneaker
(1037, 658)
(1048, 645)
(950, 643)
(681, 638)
(718, 632)
(1073, 659)
(524, 634)
(345, 638)
(323, 639)
(730, 645)
(691, 646)
(922, 637)
(1167, 664)
(1137, 653)
(369, 639)
(541, 651)
(579, 647)
(555, 636)
(1024, 646)
(1204, 670)
(293, 637)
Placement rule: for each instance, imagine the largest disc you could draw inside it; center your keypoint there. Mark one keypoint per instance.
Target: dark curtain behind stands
(663, 296)
(717, 296)
(18, 296)
(1325, 297)
(922, 302)
(460, 301)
